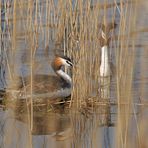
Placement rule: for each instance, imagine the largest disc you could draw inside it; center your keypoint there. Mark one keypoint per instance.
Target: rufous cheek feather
(58, 61)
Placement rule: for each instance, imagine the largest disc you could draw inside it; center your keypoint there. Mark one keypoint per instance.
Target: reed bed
(30, 29)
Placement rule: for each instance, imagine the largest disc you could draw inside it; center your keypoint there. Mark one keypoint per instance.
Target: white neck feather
(104, 67)
(65, 76)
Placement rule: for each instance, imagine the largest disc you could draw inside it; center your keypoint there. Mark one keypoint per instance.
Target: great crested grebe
(105, 67)
(49, 86)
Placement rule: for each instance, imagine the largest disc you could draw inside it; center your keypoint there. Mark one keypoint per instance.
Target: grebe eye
(69, 63)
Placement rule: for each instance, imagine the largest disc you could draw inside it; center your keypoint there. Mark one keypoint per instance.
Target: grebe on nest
(49, 86)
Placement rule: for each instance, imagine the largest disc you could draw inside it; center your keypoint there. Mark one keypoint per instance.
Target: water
(43, 135)
(64, 129)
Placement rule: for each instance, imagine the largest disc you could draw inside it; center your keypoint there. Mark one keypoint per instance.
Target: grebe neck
(105, 66)
(104, 55)
(64, 76)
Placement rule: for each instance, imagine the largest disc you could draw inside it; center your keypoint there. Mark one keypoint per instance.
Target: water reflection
(59, 128)
(48, 128)
(105, 87)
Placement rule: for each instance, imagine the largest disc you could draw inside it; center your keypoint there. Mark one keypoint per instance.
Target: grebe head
(60, 61)
(105, 33)
(57, 64)
(66, 61)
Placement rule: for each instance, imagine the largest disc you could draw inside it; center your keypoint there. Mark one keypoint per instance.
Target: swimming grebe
(50, 87)
(105, 69)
